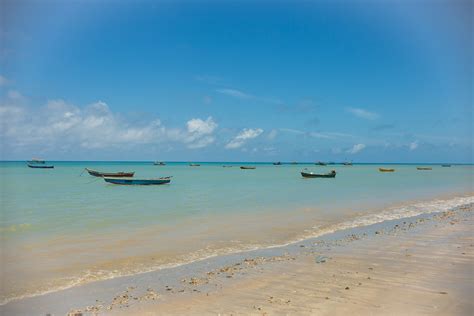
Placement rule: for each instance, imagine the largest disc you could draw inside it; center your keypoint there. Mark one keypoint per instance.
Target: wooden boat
(40, 166)
(445, 165)
(194, 165)
(277, 163)
(121, 174)
(386, 170)
(331, 174)
(159, 163)
(247, 167)
(133, 181)
(36, 160)
(321, 163)
(424, 168)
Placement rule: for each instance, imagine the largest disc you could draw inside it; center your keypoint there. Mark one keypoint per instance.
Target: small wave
(393, 213)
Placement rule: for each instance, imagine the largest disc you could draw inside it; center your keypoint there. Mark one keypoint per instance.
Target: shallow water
(59, 229)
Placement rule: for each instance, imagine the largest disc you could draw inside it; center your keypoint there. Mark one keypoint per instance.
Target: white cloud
(356, 148)
(243, 137)
(235, 93)
(200, 133)
(292, 131)
(364, 114)
(59, 124)
(413, 145)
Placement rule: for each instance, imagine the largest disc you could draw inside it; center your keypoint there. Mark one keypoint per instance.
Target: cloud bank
(62, 125)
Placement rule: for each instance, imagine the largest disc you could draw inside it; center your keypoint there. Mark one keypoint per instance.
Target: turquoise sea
(62, 227)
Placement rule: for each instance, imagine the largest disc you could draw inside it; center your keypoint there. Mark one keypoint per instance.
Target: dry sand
(421, 266)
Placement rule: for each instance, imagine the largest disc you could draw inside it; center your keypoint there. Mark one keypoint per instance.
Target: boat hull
(247, 168)
(40, 166)
(386, 170)
(424, 168)
(123, 181)
(316, 175)
(96, 173)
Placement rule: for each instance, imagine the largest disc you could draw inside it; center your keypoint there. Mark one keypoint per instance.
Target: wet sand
(412, 266)
(423, 266)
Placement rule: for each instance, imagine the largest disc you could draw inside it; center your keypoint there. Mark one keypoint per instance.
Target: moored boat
(277, 163)
(133, 181)
(424, 168)
(321, 163)
(40, 166)
(347, 163)
(36, 161)
(194, 165)
(247, 167)
(306, 174)
(159, 163)
(120, 174)
(386, 170)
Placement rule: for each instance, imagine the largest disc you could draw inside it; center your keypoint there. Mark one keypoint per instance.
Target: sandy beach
(410, 266)
(420, 266)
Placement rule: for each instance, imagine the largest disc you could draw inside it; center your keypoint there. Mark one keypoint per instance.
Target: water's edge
(390, 214)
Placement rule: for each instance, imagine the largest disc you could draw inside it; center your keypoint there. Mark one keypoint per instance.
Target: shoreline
(408, 208)
(100, 295)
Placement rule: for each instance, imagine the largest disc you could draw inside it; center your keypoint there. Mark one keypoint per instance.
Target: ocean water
(61, 227)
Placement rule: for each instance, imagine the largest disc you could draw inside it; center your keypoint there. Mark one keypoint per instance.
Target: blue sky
(237, 80)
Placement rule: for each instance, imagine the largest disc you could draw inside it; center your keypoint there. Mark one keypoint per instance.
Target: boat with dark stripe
(40, 166)
(121, 174)
(133, 181)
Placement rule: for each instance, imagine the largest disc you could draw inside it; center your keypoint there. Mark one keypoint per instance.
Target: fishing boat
(40, 166)
(347, 163)
(386, 170)
(247, 167)
(424, 168)
(159, 163)
(194, 165)
(133, 181)
(445, 165)
(36, 160)
(121, 174)
(277, 163)
(306, 174)
(321, 163)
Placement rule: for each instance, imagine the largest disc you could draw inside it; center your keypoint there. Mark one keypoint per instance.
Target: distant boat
(331, 174)
(321, 163)
(247, 167)
(36, 160)
(226, 166)
(386, 170)
(132, 181)
(331, 163)
(194, 165)
(445, 165)
(424, 168)
(277, 163)
(40, 166)
(347, 163)
(121, 174)
(294, 163)
(159, 163)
